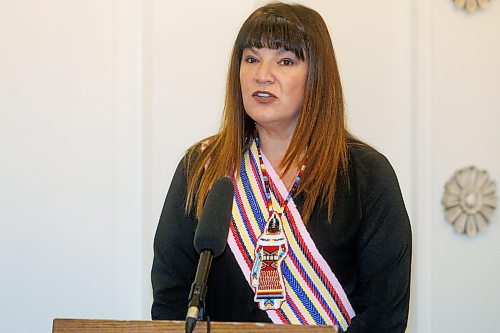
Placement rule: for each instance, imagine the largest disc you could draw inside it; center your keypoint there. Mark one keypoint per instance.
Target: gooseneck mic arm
(210, 240)
(198, 290)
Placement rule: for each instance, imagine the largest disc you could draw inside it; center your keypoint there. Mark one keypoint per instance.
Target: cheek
(296, 92)
(244, 90)
(244, 80)
(244, 86)
(297, 89)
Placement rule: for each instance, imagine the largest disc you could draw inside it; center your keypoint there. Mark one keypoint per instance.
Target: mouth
(264, 96)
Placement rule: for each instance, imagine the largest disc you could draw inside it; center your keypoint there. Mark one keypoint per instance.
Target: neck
(274, 145)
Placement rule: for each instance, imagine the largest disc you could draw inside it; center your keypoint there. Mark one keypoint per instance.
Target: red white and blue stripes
(314, 295)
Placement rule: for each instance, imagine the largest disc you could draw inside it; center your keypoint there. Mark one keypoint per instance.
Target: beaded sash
(312, 294)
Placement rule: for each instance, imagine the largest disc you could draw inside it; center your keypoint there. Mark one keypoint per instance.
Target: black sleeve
(383, 251)
(175, 259)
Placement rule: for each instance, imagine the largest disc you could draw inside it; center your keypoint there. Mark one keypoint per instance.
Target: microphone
(210, 240)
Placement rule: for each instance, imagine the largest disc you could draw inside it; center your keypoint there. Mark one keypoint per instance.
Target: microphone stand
(198, 291)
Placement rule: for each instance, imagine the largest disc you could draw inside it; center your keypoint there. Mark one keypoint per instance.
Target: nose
(264, 73)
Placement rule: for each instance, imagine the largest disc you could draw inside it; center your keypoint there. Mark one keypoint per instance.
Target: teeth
(263, 95)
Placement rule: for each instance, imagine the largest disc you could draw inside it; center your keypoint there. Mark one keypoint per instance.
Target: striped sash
(313, 294)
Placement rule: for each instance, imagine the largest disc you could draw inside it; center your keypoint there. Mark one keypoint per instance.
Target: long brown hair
(320, 130)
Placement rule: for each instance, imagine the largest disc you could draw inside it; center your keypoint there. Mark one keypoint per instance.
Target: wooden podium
(167, 326)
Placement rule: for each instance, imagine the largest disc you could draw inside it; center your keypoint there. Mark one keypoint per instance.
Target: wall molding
(127, 158)
(421, 298)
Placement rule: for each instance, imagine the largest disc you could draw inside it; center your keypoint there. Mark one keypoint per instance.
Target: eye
(286, 62)
(250, 59)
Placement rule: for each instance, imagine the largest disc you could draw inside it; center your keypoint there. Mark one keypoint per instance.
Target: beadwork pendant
(266, 276)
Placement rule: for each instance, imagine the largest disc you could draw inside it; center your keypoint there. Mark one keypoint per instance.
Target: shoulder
(378, 193)
(197, 150)
(370, 171)
(191, 156)
(201, 146)
(367, 159)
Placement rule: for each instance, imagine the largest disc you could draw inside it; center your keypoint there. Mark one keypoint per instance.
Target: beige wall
(465, 119)
(70, 161)
(99, 99)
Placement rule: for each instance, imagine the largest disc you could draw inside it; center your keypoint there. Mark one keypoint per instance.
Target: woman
(319, 233)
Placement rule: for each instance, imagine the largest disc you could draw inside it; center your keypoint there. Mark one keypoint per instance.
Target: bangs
(273, 32)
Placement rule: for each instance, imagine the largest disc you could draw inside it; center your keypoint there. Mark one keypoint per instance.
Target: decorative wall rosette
(469, 200)
(471, 5)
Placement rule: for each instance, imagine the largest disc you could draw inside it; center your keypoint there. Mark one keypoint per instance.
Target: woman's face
(272, 85)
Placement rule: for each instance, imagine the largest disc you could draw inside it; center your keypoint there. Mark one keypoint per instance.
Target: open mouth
(264, 96)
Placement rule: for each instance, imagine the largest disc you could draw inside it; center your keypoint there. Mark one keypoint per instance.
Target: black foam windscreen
(213, 226)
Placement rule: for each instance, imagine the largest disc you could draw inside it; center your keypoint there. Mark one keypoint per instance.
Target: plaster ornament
(469, 200)
(471, 5)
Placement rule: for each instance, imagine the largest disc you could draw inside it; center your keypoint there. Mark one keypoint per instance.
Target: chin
(263, 119)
